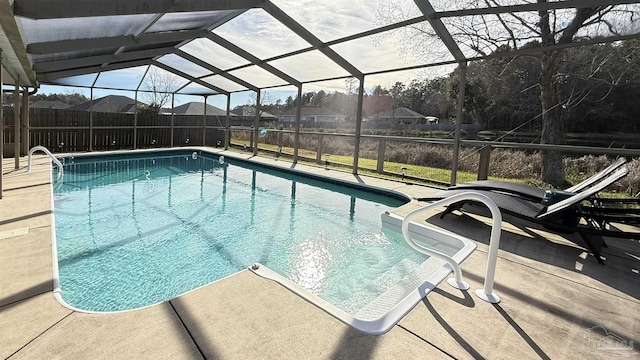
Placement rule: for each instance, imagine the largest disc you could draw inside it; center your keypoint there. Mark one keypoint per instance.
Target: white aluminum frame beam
(444, 35)
(51, 76)
(58, 65)
(17, 107)
(137, 35)
(54, 9)
(189, 77)
(251, 58)
(215, 70)
(441, 30)
(306, 35)
(16, 61)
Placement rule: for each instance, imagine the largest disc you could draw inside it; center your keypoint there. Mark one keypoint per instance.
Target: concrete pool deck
(557, 301)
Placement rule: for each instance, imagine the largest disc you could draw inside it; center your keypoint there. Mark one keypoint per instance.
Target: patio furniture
(533, 192)
(569, 215)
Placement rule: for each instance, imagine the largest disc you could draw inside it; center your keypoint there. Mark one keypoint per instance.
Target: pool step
(437, 239)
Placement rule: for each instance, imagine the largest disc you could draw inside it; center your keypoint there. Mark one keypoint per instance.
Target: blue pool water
(136, 231)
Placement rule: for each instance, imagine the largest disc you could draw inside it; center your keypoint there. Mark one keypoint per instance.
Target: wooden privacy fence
(78, 131)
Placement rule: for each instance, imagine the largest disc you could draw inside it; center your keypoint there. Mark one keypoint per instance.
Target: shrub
(505, 163)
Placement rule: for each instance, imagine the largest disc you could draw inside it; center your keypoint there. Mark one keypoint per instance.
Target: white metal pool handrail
(486, 293)
(46, 151)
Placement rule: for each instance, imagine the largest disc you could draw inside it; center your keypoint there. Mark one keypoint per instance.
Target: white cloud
(213, 54)
(260, 34)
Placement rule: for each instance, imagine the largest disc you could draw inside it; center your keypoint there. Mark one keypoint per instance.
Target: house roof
(313, 111)
(197, 108)
(49, 104)
(399, 113)
(109, 104)
(251, 111)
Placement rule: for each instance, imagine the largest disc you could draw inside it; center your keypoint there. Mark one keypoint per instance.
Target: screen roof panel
(623, 21)
(36, 58)
(36, 31)
(260, 34)
(347, 86)
(224, 83)
(184, 65)
(448, 5)
(121, 79)
(298, 66)
(196, 89)
(480, 35)
(258, 77)
(394, 49)
(111, 38)
(331, 20)
(161, 80)
(187, 20)
(214, 54)
(80, 80)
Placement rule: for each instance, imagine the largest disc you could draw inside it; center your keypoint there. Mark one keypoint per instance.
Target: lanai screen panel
(184, 65)
(257, 76)
(37, 58)
(260, 34)
(480, 35)
(80, 80)
(394, 49)
(309, 66)
(449, 5)
(224, 83)
(187, 20)
(161, 80)
(45, 30)
(214, 54)
(121, 79)
(622, 21)
(48, 30)
(196, 89)
(347, 86)
(331, 20)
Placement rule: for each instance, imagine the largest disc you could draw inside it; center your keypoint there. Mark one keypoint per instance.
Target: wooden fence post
(319, 148)
(382, 144)
(483, 163)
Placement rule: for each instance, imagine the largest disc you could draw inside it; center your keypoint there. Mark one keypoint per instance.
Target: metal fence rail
(72, 131)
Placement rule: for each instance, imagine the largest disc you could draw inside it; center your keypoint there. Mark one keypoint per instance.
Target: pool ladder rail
(486, 293)
(53, 158)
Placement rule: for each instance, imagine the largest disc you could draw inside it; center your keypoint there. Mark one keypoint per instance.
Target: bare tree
(158, 85)
(265, 99)
(481, 35)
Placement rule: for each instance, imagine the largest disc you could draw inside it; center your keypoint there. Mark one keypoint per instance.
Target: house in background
(402, 115)
(313, 115)
(110, 104)
(49, 104)
(197, 108)
(250, 111)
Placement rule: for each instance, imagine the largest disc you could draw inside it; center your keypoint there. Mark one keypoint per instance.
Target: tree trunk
(552, 120)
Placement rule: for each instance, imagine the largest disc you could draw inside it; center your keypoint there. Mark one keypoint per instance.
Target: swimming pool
(135, 231)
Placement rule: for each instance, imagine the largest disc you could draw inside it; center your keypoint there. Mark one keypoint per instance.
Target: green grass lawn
(414, 173)
(393, 170)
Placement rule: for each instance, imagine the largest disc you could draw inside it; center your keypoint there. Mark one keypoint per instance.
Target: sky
(259, 33)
